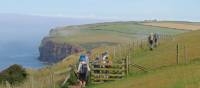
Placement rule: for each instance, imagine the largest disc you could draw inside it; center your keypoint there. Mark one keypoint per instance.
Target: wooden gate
(101, 72)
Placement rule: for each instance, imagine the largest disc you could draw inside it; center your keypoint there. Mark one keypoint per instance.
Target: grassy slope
(114, 32)
(163, 72)
(180, 76)
(87, 35)
(93, 35)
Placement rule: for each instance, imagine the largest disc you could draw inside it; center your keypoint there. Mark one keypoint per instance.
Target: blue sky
(107, 9)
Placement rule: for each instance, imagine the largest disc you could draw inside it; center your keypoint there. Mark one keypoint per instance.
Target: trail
(75, 86)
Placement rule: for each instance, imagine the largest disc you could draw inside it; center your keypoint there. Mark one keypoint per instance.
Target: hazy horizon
(23, 23)
(21, 36)
(181, 10)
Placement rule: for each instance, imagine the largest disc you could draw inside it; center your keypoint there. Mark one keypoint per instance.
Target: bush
(14, 74)
(73, 78)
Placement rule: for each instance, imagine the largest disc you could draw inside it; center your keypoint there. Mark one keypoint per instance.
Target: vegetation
(102, 34)
(14, 74)
(161, 63)
(163, 71)
(176, 25)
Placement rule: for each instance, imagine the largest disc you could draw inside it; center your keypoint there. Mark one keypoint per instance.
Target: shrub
(73, 78)
(14, 74)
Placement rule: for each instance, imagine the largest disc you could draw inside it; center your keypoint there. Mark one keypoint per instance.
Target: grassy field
(104, 36)
(163, 72)
(176, 25)
(179, 76)
(103, 33)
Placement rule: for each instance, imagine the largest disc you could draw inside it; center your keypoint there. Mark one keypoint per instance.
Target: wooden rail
(101, 72)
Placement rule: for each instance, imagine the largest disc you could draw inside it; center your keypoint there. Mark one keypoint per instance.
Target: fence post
(8, 84)
(114, 53)
(177, 53)
(127, 66)
(133, 52)
(185, 54)
(124, 65)
(32, 82)
(119, 50)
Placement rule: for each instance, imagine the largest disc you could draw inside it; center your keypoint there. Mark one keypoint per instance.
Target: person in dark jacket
(83, 69)
(151, 41)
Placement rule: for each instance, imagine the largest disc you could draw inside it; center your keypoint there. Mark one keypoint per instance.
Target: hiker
(151, 41)
(83, 69)
(105, 58)
(87, 56)
(96, 63)
(156, 37)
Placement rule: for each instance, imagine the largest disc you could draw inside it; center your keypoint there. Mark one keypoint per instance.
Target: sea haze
(20, 36)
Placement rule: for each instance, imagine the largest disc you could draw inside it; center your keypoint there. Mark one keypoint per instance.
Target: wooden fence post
(114, 53)
(8, 84)
(177, 53)
(133, 51)
(127, 65)
(32, 82)
(185, 54)
(124, 65)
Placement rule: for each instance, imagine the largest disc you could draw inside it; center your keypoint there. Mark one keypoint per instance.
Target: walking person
(151, 41)
(83, 70)
(107, 62)
(96, 63)
(156, 38)
(88, 56)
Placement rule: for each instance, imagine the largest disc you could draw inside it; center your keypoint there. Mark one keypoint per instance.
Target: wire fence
(128, 51)
(125, 55)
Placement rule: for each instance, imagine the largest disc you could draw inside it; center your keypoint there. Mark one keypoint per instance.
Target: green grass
(162, 67)
(102, 37)
(179, 76)
(114, 32)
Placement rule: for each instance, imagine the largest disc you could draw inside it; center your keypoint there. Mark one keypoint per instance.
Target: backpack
(151, 37)
(83, 68)
(82, 58)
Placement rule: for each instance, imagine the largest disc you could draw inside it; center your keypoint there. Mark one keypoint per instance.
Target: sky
(182, 10)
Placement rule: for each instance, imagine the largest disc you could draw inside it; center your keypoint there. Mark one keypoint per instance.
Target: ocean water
(21, 35)
(19, 45)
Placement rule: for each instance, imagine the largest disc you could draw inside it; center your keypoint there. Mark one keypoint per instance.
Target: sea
(21, 35)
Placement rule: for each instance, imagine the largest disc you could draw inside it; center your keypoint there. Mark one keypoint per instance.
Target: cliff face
(53, 52)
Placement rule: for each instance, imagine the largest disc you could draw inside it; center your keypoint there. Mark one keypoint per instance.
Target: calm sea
(20, 36)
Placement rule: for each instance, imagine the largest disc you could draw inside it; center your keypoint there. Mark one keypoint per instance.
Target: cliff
(64, 41)
(52, 52)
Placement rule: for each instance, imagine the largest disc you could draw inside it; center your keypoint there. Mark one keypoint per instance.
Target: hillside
(99, 37)
(163, 72)
(73, 39)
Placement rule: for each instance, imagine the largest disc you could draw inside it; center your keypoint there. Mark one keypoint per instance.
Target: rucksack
(82, 58)
(151, 37)
(83, 68)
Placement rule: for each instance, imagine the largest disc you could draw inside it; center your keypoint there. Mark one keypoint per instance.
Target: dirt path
(75, 86)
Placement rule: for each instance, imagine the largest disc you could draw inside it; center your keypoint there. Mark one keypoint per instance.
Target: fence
(123, 55)
(186, 53)
(101, 72)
